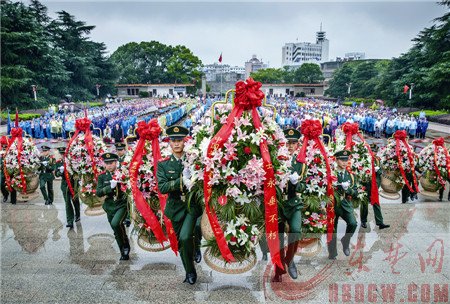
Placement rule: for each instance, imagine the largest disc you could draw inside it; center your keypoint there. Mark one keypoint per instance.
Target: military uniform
(291, 212)
(120, 146)
(115, 206)
(4, 188)
(46, 176)
(72, 203)
(184, 219)
(364, 207)
(343, 208)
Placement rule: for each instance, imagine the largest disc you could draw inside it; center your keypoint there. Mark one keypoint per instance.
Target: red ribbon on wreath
(400, 137)
(16, 134)
(81, 125)
(351, 129)
(151, 132)
(311, 130)
(248, 98)
(439, 142)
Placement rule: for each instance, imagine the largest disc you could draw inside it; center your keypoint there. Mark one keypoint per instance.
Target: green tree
(308, 73)
(269, 75)
(154, 62)
(56, 55)
(338, 84)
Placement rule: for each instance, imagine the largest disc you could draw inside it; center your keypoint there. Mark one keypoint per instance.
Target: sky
(381, 29)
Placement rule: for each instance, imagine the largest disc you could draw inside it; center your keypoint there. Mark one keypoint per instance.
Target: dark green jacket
(344, 197)
(115, 198)
(293, 202)
(46, 171)
(170, 182)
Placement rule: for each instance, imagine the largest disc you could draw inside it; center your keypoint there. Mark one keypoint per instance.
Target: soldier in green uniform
(291, 212)
(4, 188)
(364, 207)
(115, 204)
(121, 152)
(343, 207)
(46, 176)
(72, 203)
(172, 180)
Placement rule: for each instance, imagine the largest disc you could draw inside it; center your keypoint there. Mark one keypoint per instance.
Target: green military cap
(62, 150)
(120, 146)
(292, 134)
(109, 157)
(177, 132)
(374, 147)
(343, 154)
(45, 148)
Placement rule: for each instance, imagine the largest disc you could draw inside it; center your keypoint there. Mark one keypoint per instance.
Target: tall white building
(295, 54)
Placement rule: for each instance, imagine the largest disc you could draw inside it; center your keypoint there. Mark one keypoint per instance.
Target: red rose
(320, 184)
(243, 227)
(233, 239)
(367, 171)
(320, 174)
(229, 178)
(317, 160)
(247, 150)
(197, 167)
(363, 188)
(360, 168)
(224, 161)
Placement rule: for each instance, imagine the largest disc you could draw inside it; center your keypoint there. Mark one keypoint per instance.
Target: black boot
(5, 198)
(125, 253)
(364, 224)
(198, 256)
(69, 225)
(292, 270)
(191, 278)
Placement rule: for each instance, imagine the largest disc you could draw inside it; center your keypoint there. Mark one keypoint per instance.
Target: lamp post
(410, 96)
(349, 86)
(34, 87)
(97, 86)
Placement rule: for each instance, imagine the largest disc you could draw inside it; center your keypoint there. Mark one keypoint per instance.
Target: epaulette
(164, 159)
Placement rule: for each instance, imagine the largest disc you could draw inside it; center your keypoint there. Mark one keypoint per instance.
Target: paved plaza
(42, 261)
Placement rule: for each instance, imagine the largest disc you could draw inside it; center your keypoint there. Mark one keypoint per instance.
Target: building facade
(293, 89)
(215, 71)
(153, 90)
(253, 65)
(296, 53)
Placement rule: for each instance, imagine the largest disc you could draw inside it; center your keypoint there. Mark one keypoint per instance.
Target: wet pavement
(43, 261)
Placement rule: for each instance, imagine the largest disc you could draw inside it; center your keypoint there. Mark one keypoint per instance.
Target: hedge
(430, 113)
(24, 116)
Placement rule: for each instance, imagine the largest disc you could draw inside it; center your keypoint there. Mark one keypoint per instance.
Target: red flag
(17, 118)
(220, 58)
(405, 89)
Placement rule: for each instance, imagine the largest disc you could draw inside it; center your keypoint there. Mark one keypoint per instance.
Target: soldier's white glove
(345, 185)
(293, 178)
(113, 183)
(186, 173)
(61, 169)
(45, 163)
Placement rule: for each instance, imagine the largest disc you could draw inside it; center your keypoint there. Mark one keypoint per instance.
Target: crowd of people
(381, 122)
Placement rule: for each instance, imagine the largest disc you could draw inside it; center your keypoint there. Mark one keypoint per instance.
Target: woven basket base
(152, 245)
(391, 196)
(94, 211)
(26, 197)
(219, 264)
(311, 249)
